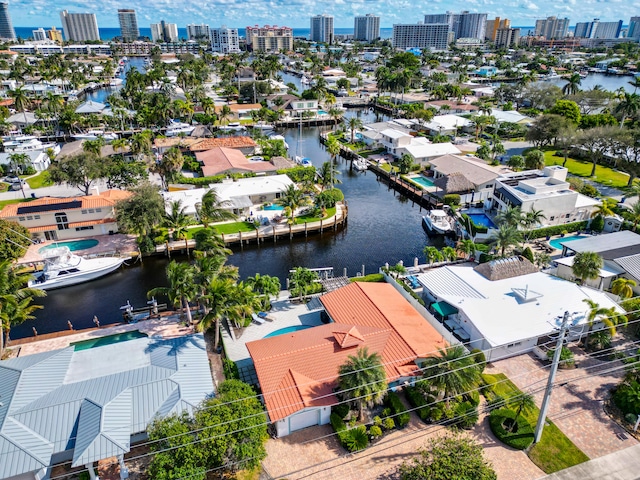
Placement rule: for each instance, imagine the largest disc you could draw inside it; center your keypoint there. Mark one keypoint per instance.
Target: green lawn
(555, 451)
(310, 218)
(580, 168)
(235, 227)
(15, 200)
(40, 180)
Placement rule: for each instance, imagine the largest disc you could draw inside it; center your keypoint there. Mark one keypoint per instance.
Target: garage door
(304, 420)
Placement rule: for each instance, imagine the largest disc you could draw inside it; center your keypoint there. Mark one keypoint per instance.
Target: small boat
(95, 134)
(438, 222)
(361, 165)
(304, 161)
(176, 128)
(234, 127)
(62, 269)
(263, 126)
(305, 81)
(279, 137)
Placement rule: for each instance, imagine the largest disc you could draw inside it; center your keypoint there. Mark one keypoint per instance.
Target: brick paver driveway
(576, 403)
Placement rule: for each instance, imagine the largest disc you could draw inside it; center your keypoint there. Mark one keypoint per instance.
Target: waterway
(382, 227)
(607, 82)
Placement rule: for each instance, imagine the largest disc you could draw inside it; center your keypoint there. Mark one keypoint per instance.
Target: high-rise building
(39, 35)
(433, 36)
(198, 32)
(507, 37)
(492, 27)
(322, 28)
(634, 28)
(366, 28)
(79, 27)
(462, 25)
(552, 27)
(6, 27)
(225, 40)
(598, 29)
(269, 38)
(55, 35)
(129, 30)
(164, 32)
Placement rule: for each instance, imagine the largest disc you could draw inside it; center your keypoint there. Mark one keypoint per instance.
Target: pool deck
(167, 326)
(284, 314)
(118, 243)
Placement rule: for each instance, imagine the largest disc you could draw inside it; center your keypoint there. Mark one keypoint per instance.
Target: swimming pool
(422, 181)
(555, 243)
(74, 245)
(273, 207)
(292, 329)
(481, 219)
(322, 112)
(108, 340)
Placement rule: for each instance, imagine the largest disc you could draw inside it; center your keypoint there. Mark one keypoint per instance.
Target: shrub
(299, 174)
(566, 357)
(437, 412)
(342, 410)
(372, 277)
(399, 411)
(230, 369)
(467, 413)
(597, 224)
(416, 399)
(589, 190)
(479, 358)
(528, 254)
(495, 402)
(451, 199)
(627, 397)
(375, 431)
(389, 424)
(146, 244)
(200, 181)
(356, 439)
(386, 412)
(472, 397)
(557, 229)
(520, 439)
(377, 421)
(631, 418)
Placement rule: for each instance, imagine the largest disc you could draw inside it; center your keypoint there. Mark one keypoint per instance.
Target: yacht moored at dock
(438, 222)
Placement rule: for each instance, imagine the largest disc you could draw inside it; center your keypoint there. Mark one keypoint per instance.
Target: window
(22, 219)
(91, 210)
(309, 104)
(567, 215)
(552, 219)
(98, 210)
(29, 217)
(79, 229)
(36, 217)
(62, 221)
(84, 212)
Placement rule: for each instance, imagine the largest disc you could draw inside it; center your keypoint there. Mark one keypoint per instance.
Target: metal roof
(609, 245)
(84, 401)
(630, 264)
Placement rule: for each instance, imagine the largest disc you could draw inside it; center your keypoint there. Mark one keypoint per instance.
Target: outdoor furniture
(257, 319)
(265, 316)
(451, 324)
(462, 335)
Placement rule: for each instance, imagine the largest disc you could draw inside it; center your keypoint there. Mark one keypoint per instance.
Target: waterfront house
(547, 191)
(451, 106)
(292, 105)
(510, 116)
(620, 252)
(221, 160)
(506, 307)
(240, 111)
(298, 372)
(447, 125)
(481, 177)
(52, 218)
(79, 406)
(90, 107)
(244, 144)
(39, 160)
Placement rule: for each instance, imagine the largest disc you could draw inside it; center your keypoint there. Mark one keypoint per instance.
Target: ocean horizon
(109, 33)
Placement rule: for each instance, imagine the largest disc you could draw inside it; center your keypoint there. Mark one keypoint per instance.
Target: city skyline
(35, 13)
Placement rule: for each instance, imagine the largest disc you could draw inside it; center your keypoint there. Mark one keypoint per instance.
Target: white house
(545, 190)
(37, 159)
(447, 124)
(505, 306)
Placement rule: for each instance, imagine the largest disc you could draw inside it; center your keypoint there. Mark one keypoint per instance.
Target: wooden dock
(267, 233)
(409, 190)
(308, 122)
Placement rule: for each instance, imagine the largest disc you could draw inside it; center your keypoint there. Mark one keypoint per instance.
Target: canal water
(382, 227)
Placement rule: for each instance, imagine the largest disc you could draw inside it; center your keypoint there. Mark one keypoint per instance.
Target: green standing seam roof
(444, 309)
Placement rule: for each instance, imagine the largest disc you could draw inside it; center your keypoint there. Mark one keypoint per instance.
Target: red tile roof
(219, 160)
(107, 198)
(300, 369)
(226, 142)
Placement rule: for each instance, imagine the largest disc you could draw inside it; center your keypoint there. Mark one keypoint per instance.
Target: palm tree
(506, 236)
(628, 106)
(182, 287)
(433, 254)
(609, 317)
(511, 217)
(452, 371)
(326, 175)
(20, 101)
(333, 148)
(467, 247)
(224, 114)
(291, 199)
(265, 286)
(634, 213)
(363, 379)
(605, 208)
(449, 253)
(573, 85)
(521, 403)
(177, 220)
(94, 146)
(586, 266)
(623, 287)
(211, 209)
(354, 124)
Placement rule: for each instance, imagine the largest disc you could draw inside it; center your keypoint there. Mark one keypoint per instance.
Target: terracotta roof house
(245, 144)
(51, 218)
(298, 388)
(221, 160)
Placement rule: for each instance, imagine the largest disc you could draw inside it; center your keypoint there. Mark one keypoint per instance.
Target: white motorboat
(27, 143)
(234, 127)
(361, 165)
(304, 161)
(177, 128)
(263, 126)
(438, 221)
(279, 137)
(62, 269)
(95, 134)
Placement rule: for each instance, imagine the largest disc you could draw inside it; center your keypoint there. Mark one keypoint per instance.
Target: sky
(296, 13)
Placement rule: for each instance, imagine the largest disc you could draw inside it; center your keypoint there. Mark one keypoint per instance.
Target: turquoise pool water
(481, 219)
(73, 245)
(108, 340)
(282, 331)
(322, 112)
(555, 243)
(422, 180)
(273, 207)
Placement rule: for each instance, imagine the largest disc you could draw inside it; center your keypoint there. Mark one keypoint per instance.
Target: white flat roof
(432, 150)
(605, 272)
(252, 186)
(496, 312)
(391, 133)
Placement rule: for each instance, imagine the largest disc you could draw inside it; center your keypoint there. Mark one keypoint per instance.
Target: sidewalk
(622, 465)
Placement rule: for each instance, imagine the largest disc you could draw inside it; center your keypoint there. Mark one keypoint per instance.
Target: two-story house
(51, 218)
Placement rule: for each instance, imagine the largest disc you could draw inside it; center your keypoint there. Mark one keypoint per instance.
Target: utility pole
(552, 375)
